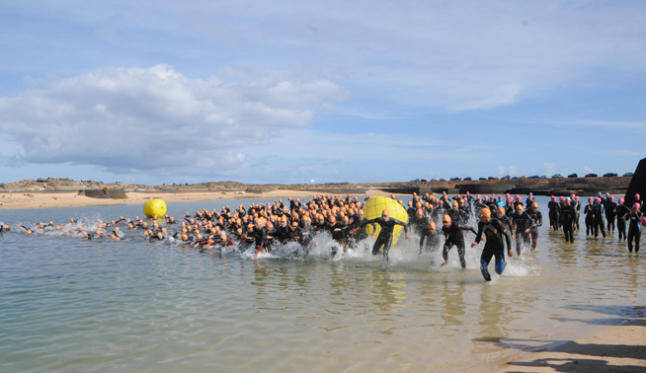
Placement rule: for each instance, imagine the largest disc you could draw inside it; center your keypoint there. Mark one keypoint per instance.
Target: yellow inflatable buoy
(155, 208)
(373, 208)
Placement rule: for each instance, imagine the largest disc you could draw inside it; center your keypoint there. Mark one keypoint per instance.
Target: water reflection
(452, 299)
(389, 290)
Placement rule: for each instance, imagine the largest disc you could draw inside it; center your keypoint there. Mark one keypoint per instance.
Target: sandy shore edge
(35, 200)
(617, 348)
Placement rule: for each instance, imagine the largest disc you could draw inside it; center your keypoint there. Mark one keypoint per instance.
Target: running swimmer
(493, 230)
(453, 237)
(385, 237)
(537, 218)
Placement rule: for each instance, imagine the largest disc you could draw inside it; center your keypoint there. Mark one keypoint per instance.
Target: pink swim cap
(636, 195)
(590, 199)
(553, 198)
(598, 199)
(572, 195)
(562, 198)
(637, 205)
(621, 200)
(578, 198)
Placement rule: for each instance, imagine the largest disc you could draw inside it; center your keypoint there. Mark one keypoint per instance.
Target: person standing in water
(494, 230)
(567, 217)
(610, 208)
(622, 211)
(634, 226)
(385, 237)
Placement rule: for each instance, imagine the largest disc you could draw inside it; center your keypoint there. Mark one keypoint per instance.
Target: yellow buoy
(155, 208)
(373, 208)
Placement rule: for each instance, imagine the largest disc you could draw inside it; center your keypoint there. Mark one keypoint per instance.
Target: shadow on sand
(625, 315)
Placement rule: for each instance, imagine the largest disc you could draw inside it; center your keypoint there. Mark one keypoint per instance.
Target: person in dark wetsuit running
(522, 223)
(537, 217)
(385, 237)
(634, 226)
(453, 237)
(429, 236)
(494, 230)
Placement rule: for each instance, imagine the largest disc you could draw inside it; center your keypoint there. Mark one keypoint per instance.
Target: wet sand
(34, 200)
(619, 348)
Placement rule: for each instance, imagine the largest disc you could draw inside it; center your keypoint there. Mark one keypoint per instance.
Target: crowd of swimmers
(602, 216)
(497, 220)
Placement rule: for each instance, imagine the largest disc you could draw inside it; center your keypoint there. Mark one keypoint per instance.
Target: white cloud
(157, 120)
(457, 55)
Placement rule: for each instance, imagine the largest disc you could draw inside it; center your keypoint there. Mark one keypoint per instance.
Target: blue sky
(295, 92)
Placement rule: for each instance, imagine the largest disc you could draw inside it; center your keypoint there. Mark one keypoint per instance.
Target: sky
(320, 91)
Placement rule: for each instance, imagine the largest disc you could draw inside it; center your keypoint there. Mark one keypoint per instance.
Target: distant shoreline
(36, 200)
(583, 186)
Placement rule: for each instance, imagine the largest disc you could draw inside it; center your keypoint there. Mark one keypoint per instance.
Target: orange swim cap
(485, 213)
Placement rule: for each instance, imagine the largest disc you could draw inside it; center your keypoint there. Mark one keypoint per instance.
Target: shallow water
(73, 305)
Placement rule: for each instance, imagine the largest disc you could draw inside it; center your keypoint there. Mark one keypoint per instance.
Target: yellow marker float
(155, 208)
(373, 208)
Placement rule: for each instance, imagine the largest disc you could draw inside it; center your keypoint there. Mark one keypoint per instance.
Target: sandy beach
(34, 200)
(618, 348)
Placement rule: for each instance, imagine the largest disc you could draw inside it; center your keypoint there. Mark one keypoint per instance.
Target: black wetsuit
(418, 223)
(567, 216)
(281, 234)
(597, 220)
(260, 238)
(453, 236)
(494, 230)
(432, 239)
(610, 207)
(537, 217)
(634, 229)
(459, 217)
(577, 211)
(622, 211)
(588, 219)
(523, 223)
(553, 208)
(385, 237)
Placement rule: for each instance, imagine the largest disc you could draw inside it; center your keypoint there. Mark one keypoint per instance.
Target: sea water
(72, 305)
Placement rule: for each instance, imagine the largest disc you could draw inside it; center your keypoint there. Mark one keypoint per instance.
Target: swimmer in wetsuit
(453, 237)
(385, 238)
(537, 217)
(622, 210)
(523, 223)
(634, 226)
(429, 236)
(494, 230)
(567, 216)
